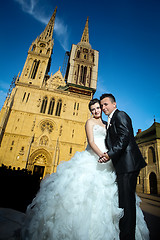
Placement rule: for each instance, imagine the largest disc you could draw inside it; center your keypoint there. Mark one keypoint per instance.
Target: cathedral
(42, 121)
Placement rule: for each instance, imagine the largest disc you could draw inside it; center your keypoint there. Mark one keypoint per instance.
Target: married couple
(92, 196)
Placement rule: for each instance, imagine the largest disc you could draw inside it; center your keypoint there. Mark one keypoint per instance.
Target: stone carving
(40, 159)
(47, 125)
(44, 141)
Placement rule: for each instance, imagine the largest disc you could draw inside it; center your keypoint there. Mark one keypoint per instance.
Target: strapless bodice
(99, 134)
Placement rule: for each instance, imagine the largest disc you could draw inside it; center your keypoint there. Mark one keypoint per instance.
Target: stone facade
(43, 120)
(149, 144)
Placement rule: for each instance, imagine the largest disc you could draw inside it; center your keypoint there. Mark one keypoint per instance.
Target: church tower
(38, 61)
(82, 69)
(42, 122)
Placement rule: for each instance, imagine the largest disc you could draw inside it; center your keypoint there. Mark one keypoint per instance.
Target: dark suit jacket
(121, 144)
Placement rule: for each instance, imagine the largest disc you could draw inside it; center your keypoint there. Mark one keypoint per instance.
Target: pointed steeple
(38, 60)
(85, 36)
(47, 34)
(82, 68)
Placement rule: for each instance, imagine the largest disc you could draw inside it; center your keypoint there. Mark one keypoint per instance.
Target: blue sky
(125, 32)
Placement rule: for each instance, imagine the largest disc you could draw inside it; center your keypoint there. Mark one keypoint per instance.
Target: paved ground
(12, 220)
(153, 223)
(10, 224)
(151, 208)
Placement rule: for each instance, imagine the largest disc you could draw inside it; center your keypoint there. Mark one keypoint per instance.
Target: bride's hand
(104, 158)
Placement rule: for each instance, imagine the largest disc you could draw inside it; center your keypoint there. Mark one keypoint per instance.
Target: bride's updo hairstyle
(92, 102)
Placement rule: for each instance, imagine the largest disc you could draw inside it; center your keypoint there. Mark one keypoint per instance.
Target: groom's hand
(104, 158)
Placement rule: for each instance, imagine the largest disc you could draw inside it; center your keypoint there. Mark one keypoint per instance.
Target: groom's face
(108, 106)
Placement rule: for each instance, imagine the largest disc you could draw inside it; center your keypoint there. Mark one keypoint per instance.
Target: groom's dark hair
(109, 95)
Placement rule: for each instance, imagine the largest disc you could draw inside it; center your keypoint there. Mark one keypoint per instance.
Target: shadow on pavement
(153, 223)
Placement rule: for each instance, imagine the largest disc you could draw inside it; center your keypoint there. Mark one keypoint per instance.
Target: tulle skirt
(79, 202)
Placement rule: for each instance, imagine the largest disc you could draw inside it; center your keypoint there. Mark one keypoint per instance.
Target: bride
(80, 200)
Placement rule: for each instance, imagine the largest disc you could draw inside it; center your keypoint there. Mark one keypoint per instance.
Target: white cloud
(101, 87)
(27, 6)
(32, 7)
(62, 33)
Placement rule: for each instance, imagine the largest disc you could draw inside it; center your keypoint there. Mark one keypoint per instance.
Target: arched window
(58, 109)
(72, 133)
(34, 69)
(153, 183)
(93, 57)
(90, 75)
(151, 155)
(77, 74)
(78, 54)
(77, 106)
(70, 151)
(24, 96)
(27, 97)
(48, 51)
(51, 106)
(83, 75)
(44, 105)
(34, 47)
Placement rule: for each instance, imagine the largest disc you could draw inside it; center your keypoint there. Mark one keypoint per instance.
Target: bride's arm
(89, 132)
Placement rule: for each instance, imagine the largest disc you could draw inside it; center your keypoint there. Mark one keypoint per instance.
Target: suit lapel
(113, 117)
(111, 122)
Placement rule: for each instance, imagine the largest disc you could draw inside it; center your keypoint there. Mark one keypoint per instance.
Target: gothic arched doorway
(153, 183)
(40, 162)
(39, 170)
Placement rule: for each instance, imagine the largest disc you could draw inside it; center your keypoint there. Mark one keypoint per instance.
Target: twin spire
(85, 35)
(48, 32)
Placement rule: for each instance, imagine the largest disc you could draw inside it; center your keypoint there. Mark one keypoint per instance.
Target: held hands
(104, 158)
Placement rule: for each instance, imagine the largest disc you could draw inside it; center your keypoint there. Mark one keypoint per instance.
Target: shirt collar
(111, 114)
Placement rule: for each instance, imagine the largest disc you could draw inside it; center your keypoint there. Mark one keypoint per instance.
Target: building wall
(149, 177)
(30, 134)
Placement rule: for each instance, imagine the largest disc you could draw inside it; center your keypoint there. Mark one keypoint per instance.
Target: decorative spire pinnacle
(85, 35)
(47, 34)
(154, 118)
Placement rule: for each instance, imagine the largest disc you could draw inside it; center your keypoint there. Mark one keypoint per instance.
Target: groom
(127, 160)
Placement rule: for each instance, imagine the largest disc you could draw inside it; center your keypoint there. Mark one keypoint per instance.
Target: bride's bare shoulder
(90, 122)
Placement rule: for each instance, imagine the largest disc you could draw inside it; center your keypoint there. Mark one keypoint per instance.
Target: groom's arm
(123, 126)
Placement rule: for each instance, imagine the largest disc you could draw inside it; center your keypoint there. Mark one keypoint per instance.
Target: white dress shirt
(109, 117)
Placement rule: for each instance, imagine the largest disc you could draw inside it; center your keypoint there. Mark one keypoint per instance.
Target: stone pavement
(151, 197)
(11, 221)
(10, 224)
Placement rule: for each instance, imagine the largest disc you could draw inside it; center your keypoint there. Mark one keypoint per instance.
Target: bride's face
(96, 110)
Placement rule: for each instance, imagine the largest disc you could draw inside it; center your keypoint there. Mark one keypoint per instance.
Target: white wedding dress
(79, 201)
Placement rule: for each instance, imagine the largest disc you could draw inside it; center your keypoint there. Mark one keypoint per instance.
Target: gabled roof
(150, 134)
(56, 80)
